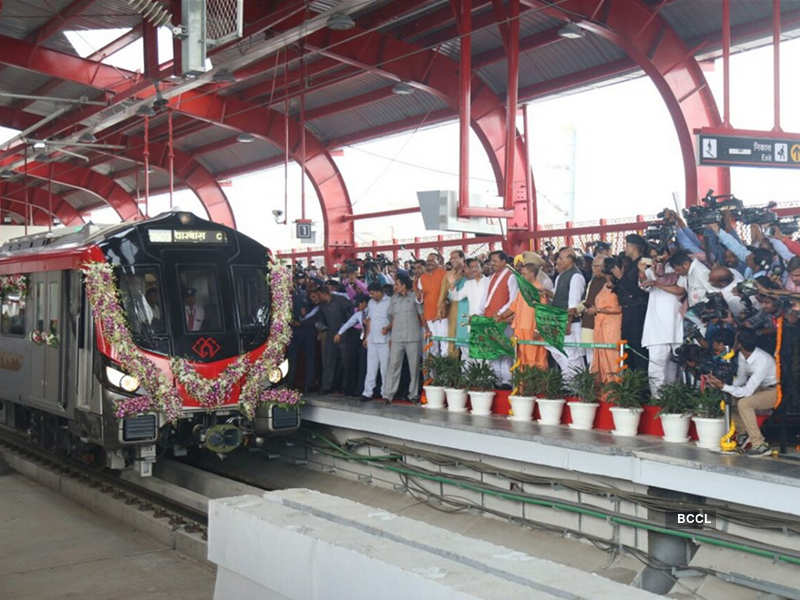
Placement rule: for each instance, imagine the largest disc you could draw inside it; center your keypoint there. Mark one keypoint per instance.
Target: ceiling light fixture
(340, 22)
(402, 89)
(245, 138)
(39, 145)
(571, 31)
(88, 138)
(6, 174)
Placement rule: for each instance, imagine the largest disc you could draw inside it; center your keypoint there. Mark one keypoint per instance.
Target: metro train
(195, 302)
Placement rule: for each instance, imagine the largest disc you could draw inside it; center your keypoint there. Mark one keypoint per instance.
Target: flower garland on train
(14, 285)
(161, 394)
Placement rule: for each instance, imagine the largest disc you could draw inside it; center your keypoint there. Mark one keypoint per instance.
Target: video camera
(787, 225)
(661, 235)
(709, 212)
(715, 307)
(698, 361)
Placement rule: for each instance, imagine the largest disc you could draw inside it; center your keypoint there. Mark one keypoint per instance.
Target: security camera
(277, 213)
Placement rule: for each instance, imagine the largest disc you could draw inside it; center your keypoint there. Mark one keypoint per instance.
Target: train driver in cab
(195, 314)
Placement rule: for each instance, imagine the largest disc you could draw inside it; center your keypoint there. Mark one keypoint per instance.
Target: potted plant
(434, 391)
(481, 381)
(675, 401)
(586, 386)
(550, 397)
(524, 380)
(627, 392)
(709, 418)
(451, 377)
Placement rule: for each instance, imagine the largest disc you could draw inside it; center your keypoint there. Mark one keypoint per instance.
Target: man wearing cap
(633, 300)
(194, 313)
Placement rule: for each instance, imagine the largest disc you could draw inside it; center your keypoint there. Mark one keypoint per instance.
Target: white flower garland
(161, 394)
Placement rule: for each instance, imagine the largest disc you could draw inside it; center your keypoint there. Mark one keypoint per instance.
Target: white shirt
(696, 283)
(195, 315)
(545, 280)
(357, 318)
(759, 368)
(474, 290)
(663, 322)
(378, 316)
(513, 289)
(577, 286)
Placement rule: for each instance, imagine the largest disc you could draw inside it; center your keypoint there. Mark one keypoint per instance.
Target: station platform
(54, 548)
(765, 482)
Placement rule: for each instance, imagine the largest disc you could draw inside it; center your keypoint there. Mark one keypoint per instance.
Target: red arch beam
(269, 125)
(39, 198)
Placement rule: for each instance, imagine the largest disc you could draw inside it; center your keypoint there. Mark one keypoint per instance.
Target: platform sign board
(439, 210)
(303, 230)
(746, 151)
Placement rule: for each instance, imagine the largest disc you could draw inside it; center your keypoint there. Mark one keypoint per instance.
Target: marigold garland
(161, 394)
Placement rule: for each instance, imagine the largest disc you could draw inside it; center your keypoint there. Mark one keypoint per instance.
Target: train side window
(200, 299)
(140, 292)
(53, 302)
(12, 315)
(40, 307)
(252, 297)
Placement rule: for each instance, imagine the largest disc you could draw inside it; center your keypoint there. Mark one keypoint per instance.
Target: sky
(608, 152)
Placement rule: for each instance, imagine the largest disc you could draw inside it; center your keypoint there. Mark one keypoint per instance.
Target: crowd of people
(684, 299)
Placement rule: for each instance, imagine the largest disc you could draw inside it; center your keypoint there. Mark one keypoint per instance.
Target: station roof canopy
(363, 68)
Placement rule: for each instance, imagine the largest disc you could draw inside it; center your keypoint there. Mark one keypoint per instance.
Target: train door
(45, 340)
(53, 388)
(37, 348)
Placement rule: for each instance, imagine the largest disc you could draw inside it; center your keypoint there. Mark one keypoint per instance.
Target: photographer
(694, 277)
(755, 389)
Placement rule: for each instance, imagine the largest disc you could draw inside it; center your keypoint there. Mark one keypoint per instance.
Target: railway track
(182, 509)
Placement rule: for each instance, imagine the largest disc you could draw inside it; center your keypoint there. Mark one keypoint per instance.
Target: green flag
(551, 323)
(529, 292)
(487, 339)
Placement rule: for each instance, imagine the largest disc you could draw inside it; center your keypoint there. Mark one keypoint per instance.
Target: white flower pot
(582, 414)
(709, 432)
(676, 427)
(481, 402)
(521, 407)
(456, 399)
(626, 420)
(550, 411)
(434, 394)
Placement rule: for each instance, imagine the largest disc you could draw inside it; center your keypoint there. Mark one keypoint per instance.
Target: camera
(277, 214)
(697, 361)
(714, 308)
(755, 215)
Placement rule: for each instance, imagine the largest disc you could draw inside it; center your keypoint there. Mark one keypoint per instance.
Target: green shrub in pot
(585, 385)
(629, 389)
(675, 399)
(525, 380)
(707, 403)
(479, 376)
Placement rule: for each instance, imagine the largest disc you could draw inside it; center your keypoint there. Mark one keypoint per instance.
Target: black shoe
(761, 450)
(365, 398)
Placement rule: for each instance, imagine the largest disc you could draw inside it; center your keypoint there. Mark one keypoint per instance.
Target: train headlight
(123, 381)
(279, 372)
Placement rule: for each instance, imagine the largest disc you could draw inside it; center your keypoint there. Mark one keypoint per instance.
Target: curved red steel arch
(655, 47)
(196, 176)
(85, 179)
(269, 124)
(39, 198)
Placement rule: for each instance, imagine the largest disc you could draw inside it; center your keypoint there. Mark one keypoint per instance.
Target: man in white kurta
(569, 287)
(663, 325)
(474, 290)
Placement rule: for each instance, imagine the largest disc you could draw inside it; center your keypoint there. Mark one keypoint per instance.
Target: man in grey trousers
(405, 325)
